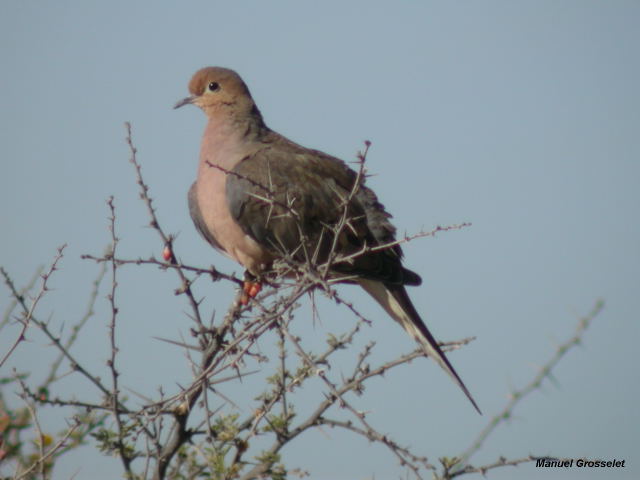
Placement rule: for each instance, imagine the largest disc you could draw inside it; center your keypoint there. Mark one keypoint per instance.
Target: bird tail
(395, 300)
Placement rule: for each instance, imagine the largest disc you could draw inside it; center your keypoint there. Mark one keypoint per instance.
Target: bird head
(217, 89)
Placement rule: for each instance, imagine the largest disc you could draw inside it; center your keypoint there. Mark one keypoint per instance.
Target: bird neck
(246, 122)
(228, 138)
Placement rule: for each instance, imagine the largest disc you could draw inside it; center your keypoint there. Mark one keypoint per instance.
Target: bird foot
(249, 290)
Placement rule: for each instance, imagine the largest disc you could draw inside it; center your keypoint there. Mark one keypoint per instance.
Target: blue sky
(519, 117)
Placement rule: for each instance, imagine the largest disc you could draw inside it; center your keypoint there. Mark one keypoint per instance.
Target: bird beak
(185, 101)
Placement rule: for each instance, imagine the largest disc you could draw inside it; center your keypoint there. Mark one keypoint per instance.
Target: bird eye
(213, 86)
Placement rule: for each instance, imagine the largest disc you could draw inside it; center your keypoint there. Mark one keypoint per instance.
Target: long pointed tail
(394, 299)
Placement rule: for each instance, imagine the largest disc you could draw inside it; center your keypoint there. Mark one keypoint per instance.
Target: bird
(259, 197)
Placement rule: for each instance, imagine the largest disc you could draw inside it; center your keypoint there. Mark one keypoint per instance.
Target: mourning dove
(259, 197)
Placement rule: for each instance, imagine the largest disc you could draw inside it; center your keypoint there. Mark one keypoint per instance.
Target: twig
(166, 239)
(39, 461)
(211, 271)
(114, 401)
(77, 327)
(501, 462)
(6, 316)
(545, 372)
(371, 433)
(28, 312)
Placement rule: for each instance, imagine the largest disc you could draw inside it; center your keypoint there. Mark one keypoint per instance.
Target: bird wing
(198, 220)
(291, 201)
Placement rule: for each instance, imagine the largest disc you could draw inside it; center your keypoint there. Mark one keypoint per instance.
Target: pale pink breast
(220, 149)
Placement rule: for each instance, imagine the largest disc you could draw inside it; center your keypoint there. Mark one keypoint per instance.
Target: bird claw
(249, 290)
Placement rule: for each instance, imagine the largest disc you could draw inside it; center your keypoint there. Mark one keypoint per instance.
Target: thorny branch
(75, 329)
(28, 311)
(14, 424)
(167, 240)
(198, 430)
(517, 396)
(114, 400)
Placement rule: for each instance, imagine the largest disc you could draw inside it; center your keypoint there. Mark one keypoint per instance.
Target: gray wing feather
(289, 200)
(198, 221)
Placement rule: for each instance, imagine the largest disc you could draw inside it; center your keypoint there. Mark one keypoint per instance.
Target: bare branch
(167, 240)
(28, 311)
(545, 372)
